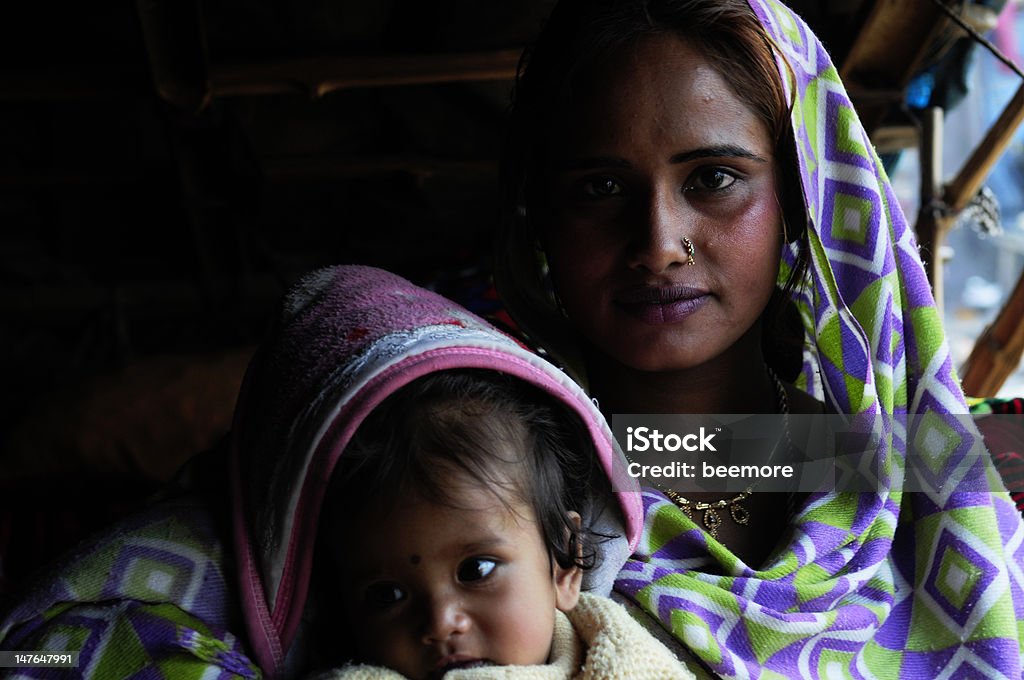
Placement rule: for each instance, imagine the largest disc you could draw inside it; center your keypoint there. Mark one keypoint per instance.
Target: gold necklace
(711, 518)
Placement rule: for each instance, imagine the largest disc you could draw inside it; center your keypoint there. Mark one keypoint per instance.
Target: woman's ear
(569, 580)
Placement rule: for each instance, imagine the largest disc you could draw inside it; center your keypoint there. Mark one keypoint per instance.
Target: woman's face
(655, 147)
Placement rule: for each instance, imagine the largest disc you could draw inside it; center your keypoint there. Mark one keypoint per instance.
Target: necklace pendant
(712, 520)
(740, 515)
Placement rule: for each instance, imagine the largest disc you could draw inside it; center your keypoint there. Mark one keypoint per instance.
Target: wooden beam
(891, 138)
(968, 181)
(311, 77)
(998, 350)
(316, 77)
(932, 224)
(176, 44)
(888, 51)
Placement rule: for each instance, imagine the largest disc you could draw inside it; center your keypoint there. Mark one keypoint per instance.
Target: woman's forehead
(658, 90)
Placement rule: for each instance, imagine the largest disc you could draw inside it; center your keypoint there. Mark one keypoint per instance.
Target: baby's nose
(445, 617)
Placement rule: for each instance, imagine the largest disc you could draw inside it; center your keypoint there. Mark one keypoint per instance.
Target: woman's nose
(444, 617)
(658, 239)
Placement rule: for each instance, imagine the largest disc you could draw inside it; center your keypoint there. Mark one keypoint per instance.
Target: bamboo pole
(997, 352)
(317, 77)
(932, 226)
(313, 76)
(975, 169)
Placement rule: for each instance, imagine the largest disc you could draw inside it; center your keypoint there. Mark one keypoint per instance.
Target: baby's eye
(710, 179)
(384, 594)
(601, 187)
(476, 569)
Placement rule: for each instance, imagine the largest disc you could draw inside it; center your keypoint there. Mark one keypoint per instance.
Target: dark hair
(483, 424)
(581, 34)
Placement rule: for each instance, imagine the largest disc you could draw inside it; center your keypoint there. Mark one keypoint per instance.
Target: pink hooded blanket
(348, 337)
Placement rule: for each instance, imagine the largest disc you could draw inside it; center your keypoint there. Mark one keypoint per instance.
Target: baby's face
(430, 588)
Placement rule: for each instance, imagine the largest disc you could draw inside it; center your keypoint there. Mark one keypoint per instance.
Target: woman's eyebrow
(716, 151)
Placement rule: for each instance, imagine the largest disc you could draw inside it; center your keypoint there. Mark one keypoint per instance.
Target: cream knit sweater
(598, 640)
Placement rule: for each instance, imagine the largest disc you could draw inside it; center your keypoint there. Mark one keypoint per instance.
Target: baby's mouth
(455, 662)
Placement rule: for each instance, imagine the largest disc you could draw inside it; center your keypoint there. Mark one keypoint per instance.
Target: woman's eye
(711, 179)
(602, 187)
(476, 569)
(384, 594)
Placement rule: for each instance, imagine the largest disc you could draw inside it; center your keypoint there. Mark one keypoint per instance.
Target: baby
(453, 532)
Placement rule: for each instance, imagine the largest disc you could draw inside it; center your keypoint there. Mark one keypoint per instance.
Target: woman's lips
(661, 304)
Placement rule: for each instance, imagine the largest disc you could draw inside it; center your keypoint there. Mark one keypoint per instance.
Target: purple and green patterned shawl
(886, 584)
(149, 598)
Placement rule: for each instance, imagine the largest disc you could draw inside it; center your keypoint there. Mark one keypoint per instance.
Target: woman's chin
(654, 357)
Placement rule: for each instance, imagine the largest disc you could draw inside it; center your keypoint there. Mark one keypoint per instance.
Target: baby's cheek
(525, 633)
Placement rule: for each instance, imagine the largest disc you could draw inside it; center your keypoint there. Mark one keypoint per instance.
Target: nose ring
(690, 250)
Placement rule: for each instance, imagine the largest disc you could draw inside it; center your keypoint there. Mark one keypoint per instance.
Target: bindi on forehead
(415, 559)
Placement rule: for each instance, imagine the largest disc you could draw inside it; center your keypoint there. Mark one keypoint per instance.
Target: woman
(662, 155)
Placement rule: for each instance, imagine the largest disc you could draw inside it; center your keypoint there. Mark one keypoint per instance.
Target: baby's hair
(482, 424)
